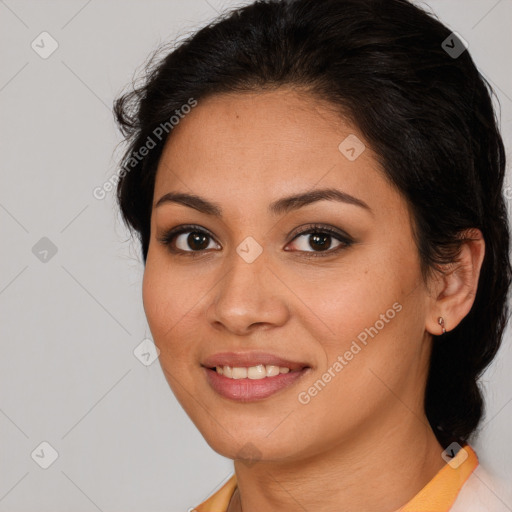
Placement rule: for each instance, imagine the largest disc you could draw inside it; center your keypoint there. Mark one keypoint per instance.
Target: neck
(369, 472)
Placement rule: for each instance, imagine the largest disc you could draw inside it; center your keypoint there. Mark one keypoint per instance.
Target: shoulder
(483, 492)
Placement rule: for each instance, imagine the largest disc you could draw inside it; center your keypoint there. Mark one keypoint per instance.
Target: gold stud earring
(440, 321)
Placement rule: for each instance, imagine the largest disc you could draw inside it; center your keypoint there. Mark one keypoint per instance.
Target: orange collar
(439, 494)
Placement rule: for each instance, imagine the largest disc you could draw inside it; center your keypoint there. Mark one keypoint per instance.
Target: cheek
(371, 315)
(355, 299)
(156, 299)
(165, 306)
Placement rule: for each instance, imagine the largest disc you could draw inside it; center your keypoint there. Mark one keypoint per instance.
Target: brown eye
(320, 239)
(317, 241)
(196, 240)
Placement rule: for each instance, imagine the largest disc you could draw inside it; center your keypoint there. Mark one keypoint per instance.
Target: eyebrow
(279, 207)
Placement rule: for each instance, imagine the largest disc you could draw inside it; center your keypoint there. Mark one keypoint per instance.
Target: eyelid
(341, 236)
(321, 228)
(168, 237)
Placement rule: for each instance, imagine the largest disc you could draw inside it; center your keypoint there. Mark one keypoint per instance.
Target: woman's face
(348, 308)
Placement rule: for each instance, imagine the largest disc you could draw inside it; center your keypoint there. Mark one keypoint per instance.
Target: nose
(248, 298)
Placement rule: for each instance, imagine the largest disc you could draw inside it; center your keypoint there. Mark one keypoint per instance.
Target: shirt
(456, 487)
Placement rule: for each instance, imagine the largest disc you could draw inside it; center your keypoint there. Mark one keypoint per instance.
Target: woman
(317, 189)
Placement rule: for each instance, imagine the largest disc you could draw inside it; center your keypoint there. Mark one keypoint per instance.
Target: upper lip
(242, 359)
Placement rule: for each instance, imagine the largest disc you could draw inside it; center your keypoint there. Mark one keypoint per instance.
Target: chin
(251, 446)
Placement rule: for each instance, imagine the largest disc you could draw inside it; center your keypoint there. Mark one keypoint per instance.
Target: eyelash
(168, 237)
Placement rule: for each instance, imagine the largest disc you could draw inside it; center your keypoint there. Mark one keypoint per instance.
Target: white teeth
(272, 371)
(260, 371)
(256, 372)
(239, 373)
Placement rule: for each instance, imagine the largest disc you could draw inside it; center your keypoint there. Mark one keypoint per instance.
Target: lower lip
(249, 390)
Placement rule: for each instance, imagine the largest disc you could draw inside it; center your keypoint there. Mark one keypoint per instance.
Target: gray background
(72, 320)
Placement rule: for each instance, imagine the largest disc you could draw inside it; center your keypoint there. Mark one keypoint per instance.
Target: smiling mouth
(252, 383)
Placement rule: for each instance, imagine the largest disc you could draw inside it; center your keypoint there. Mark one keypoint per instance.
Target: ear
(454, 289)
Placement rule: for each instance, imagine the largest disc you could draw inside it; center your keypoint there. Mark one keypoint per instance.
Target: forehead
(256, 144)
(266, 123)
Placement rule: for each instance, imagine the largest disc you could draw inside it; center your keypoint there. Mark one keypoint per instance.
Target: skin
(244, 151)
